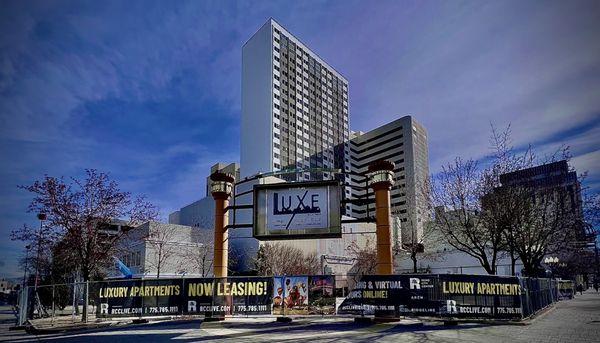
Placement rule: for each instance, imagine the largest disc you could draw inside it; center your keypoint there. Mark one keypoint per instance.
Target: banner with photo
(321, 294)
(303, 295)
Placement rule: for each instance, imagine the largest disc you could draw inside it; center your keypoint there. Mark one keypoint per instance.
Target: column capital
(221, 185)
(381, 174)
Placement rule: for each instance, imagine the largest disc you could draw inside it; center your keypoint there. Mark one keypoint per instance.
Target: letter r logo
(451, 306)
(191, 306)
(415, 283)
(103, 308)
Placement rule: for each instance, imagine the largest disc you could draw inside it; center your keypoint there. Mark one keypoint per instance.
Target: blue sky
(144, 90)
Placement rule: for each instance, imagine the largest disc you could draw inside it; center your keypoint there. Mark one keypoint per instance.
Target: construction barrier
(457, 296)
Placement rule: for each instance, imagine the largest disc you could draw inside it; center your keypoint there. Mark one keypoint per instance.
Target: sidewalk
(572, 321)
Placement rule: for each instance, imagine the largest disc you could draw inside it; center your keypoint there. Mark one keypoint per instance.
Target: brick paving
(572, 321)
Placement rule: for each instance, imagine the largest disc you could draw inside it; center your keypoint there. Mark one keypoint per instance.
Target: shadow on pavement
(186, 328)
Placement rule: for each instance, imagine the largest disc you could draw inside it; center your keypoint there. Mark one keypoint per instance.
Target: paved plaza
(576, 320)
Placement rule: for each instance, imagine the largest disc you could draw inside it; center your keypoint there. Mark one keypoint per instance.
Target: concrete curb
(58, 329)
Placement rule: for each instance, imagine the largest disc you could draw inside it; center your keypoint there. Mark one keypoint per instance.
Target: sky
(150, 91)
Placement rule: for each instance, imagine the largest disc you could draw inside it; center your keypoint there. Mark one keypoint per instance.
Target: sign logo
(451, 306)
(300, 208)
(415, 283)
(297, 210)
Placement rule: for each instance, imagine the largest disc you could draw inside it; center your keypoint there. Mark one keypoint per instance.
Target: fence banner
(304, 295)
(321, 294)
(433, 295)
(242, 295)
(393, 295)
(449, 295)
(480, 296)
(208, 296)
(138, 298)
(566, 289)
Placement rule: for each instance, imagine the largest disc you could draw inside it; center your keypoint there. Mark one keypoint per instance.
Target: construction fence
(457, 296)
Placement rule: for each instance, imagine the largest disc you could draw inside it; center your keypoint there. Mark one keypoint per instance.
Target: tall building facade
(550, 177)
(404, 142)
(294, 109)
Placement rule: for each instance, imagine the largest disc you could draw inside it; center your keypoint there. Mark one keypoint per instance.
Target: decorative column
(221, 189)
(381, 179)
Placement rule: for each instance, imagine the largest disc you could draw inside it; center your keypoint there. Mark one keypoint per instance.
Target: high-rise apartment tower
(294, 109)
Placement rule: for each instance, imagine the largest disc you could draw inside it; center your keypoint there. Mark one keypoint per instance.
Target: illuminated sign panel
(297, 210)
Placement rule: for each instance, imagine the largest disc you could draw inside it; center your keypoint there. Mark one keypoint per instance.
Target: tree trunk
(414, 259)
(513, 263)
(86, 276)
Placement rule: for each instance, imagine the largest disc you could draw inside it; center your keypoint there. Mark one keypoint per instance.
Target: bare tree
(162, 241)
(503, 203)
(416, 240)
(457, 197)
(280, 259)
(545, 226)
(200, 255)
(535, 219)
(77, 213)
(365, 259)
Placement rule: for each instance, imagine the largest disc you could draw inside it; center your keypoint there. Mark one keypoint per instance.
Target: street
(576, 320)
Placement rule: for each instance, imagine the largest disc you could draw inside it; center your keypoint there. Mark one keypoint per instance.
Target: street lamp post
(27, 247)
(41, 216)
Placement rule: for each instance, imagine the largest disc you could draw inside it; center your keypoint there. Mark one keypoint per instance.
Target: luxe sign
(297, 210)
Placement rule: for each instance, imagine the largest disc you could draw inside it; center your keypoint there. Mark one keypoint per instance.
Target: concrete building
(173, 250)
(6, 286)
(404, 142)
(439, 257)
(294, 109)
(231, 168)
(555, 176)
(336, 254)
(201, 213)
(242, 245)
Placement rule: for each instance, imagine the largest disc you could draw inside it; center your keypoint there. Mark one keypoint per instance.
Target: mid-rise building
(166, 250)
(555, 177)
(404, 142)
(231, 168)
(201, 213)
(294, 109)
